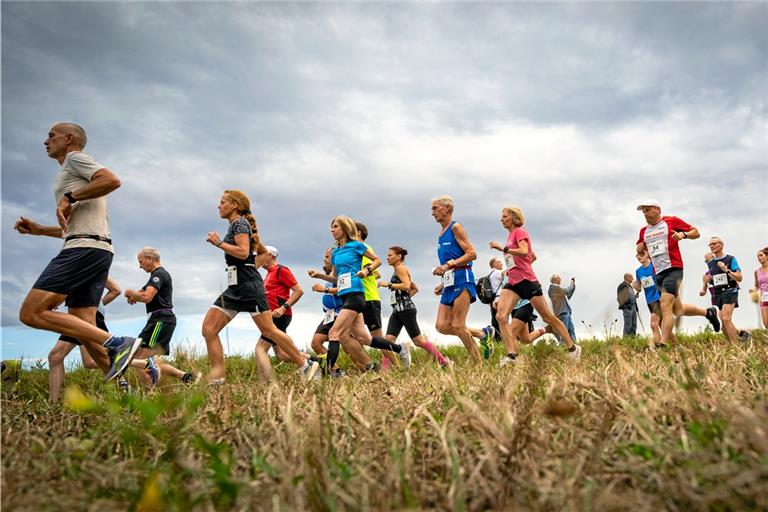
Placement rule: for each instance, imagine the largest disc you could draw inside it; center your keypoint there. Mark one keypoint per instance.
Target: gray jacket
(559, 297)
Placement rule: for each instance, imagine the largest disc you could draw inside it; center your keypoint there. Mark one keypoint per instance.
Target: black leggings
(400, 319)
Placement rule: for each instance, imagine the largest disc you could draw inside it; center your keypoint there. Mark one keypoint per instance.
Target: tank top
(245, 268)
(448, 247)
(762, 284)
(400, 300)
(721, 281)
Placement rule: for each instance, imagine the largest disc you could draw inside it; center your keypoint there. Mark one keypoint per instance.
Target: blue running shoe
(120, 351)
(152, 370)
(486, 343)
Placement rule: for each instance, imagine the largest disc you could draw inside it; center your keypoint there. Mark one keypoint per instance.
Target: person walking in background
(761, 284)
(626, 297)
(560, 305)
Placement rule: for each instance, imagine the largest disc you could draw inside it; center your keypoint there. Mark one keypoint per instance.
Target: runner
(245, 289)
(522, 331)
(706, 281)
(761, 284)
(497, 283)
(645, 280)
(660, 240)
(457, 287)
(76, 276)
(157, 294)
(65, 344)
(347, 260)
(402, 288)
(283, 292)
(725, 275)
(372, 311)
(332, 306)
(523, 284)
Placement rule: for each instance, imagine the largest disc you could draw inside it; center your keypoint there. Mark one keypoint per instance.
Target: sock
(333, 354)
(382, 344)
(432, 349)
(385, 364)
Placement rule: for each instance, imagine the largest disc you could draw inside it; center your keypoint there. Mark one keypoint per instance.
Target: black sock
(382, 344)
(512, 356)
(333, 354)
(573, 348)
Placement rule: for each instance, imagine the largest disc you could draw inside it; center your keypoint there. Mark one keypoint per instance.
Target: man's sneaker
(745, 336)
(507, 361)
(152, 370)
(123, 386)
(486, 342)
(405, 354)
(308, 370)
(712, 317)
(191, 378)
(576, 353)
(120, 351)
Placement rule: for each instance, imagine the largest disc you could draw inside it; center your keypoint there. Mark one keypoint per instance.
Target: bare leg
(268, 329)
(457, 318)
(729, 328)
(507, 302)
(215, 320)
(261, 355)
(540, 305)
(56, 368)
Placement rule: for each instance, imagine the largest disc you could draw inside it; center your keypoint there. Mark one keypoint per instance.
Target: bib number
(392, 298)
(345, 281)
(509, 259)
(647, 282)
(231, 276)
(329, 316)
(720, 280)
(764, 297)
(656, 249)
(448, 279)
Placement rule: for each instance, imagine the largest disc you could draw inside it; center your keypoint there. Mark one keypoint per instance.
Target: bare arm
(405, 279)
(102, 183)
(325, 277)
(371, 267)
(27, 226)
(693, 234)
(240, 249)
(144, 296)
(113, 291)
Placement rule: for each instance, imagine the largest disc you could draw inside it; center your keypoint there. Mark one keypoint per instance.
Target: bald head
(79, 138)
(628, 278)
(555, 279)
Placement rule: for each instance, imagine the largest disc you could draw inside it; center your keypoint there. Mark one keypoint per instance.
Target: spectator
(497, 280)
(626, 296)
(562, 308)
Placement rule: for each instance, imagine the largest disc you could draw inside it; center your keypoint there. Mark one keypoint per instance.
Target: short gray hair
(553, 278)
(444, 200)
(150, 252)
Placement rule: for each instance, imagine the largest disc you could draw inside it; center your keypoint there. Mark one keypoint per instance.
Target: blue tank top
(448, 248)
(647, 280)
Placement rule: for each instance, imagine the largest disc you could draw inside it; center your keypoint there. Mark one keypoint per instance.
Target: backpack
(485, 292)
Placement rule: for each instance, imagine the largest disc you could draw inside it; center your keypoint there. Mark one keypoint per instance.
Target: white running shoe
(405, 354)
(507, 361)
(308, 370)
(576, 354)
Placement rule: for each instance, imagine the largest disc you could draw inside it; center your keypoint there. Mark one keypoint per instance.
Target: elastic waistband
(90, 237)
(164, 310)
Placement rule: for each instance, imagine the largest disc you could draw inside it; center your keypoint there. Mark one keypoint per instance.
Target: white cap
(649, 202)
(272, 250)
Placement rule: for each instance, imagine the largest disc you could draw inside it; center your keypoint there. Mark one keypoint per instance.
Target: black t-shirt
(160, 279)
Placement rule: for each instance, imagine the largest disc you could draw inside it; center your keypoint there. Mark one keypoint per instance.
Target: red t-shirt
(278, 283)
(662, 247)
(519, 267)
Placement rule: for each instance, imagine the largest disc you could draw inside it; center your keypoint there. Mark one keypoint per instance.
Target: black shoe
(745, 336)
(712, 317)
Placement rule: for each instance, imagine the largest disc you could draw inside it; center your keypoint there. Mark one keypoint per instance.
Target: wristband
(218, 244)
(685, 234)
(70, 198)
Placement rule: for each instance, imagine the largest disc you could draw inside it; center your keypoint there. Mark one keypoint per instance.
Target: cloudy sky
(574, 112)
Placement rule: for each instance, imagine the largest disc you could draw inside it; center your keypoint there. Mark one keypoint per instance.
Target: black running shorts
(400, 319)
(78, 273)
(372, 315)
(669, 281)
(525, 289)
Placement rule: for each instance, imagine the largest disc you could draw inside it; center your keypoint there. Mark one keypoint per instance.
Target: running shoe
(191, 378)
(405, 354)
(216, 383)
(371, 367)
(152, 370)
(308, 370)
(507, 361)
(486, 343)
(745, 336)
(120, 351)
(338, 373)
(123, 386)
(322, 360)
(712, 317)
(575, 354)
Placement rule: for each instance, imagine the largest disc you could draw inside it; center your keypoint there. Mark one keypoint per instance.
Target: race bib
(764, 297)
(509, 259)
(329, 316)
(231, 276)
(448, 279)
(392, 298)
(345, 281)
(656, 249)
(720, 280)
(647, 282)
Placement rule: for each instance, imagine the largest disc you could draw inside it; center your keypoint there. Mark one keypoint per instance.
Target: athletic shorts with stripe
(157, 334)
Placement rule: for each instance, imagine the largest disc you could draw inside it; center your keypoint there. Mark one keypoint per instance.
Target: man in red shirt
(659, 239)
(283, 292)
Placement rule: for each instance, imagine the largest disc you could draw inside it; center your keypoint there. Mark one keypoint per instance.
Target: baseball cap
(649, 202)
(272, 250)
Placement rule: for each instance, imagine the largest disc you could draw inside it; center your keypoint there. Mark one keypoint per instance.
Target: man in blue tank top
(725, 276)
(457, 286)
(645, 279)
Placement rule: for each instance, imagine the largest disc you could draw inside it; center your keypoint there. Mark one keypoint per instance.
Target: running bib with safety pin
(448, 278)
(329, 316)
(345, 281)
(509, 259)
(392, 298)
(764, 297)
(231, 276)
(720, 280)
(647, 282)
(656, 249)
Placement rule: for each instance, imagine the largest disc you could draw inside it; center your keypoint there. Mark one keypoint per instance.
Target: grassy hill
(624, 429)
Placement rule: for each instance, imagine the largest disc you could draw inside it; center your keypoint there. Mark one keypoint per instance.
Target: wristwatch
(69, 197)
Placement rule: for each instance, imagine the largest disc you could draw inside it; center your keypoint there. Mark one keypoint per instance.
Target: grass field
(624, 429)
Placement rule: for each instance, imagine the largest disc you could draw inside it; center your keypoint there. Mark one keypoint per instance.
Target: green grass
(679, 429)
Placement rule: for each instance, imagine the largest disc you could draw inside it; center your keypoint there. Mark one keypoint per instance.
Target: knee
(55, 358)
(443, 327)
(501, 318)
(457, 327)
(29, 316)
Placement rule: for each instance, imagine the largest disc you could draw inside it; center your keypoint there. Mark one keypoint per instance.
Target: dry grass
(624, 429)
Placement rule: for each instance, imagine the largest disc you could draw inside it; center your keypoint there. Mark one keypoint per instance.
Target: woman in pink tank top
(761, 284)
